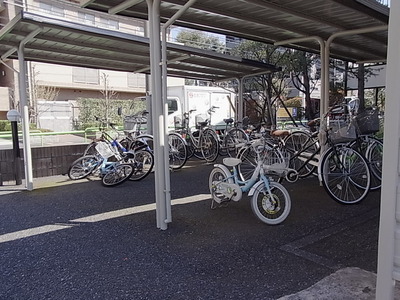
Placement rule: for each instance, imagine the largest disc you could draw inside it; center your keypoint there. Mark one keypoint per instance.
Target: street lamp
(14, 116)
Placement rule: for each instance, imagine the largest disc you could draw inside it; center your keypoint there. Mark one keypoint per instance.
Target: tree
(263, 92)
(108, 95)
(301, 63)
(39, 92)
(199, 39)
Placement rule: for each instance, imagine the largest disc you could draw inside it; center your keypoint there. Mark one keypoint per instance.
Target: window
(136, 80)
(172, 106)
(85, 75)
(86, 18)
(51, 9)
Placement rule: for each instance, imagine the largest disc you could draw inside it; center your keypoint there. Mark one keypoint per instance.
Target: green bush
(90, 108)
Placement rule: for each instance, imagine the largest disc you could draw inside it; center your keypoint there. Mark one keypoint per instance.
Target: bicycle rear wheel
(143, 162)
(374, 156)
(372, 149)
(301, 147)
(177, 151)
(83, 167)
(248, 156)
(118, 174)
(233, 140)
(209, 145)
(345, 174)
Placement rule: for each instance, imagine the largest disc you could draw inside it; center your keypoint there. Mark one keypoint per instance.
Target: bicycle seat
(203, 124)
(280, 133)
(314, 122)
(228, 121)
(231, 161)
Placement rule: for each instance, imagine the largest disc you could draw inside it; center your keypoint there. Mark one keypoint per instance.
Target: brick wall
(46, 161)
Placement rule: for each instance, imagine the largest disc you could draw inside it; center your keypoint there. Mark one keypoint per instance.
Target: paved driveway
(80, 240)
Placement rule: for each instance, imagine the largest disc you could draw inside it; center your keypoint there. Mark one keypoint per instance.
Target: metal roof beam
(123, 6)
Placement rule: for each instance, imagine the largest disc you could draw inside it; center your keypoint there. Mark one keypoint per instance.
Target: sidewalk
(345, 284)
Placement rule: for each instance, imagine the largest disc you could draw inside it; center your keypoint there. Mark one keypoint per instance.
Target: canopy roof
(58, 41)
(272, 21)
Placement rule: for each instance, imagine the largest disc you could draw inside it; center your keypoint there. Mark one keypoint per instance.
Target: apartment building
(56, 87)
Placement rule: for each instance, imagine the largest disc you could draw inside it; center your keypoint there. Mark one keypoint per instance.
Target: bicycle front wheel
(271, 205)
(209, 145)
(177, 151)
(83, 167)
(345, 175)
(118, 174)
(143, 162)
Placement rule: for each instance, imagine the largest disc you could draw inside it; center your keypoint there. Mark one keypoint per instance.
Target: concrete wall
(47, 161)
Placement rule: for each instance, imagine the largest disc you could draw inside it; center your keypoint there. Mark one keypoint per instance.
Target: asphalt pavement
(79, 240)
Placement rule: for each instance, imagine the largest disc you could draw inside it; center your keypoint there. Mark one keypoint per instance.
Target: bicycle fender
(319, 169)
(226, 172)
(255, 186)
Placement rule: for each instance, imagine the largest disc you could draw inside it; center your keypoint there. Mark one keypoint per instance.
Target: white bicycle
(270, 200)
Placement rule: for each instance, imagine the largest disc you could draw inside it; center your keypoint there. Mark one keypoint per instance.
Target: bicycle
(202, 143)
(107, 154)
(276, 156)
(270, 200)
(111, 172)
(176, 144)
(231, 138)
(343, 171)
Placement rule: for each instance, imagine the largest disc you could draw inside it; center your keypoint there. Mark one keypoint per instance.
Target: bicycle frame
(251, 184)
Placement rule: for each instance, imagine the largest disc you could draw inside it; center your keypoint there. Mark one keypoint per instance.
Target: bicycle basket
(368, 121)
(275, 160)
(104, 149)
(133, 122)
(341, 132)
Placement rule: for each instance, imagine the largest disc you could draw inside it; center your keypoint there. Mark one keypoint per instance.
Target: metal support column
(389, 226)
(25, 110)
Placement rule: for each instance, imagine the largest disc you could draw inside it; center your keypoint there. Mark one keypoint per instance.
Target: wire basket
(276, 161)
(105, 150)
(368, 121)
(341, 131)
(134, 122)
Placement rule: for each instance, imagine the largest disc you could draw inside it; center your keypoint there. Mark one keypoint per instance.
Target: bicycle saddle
(280, 133)
(231, 161)
(228, 121)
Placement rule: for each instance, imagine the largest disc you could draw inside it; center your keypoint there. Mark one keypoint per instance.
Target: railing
(86, 135)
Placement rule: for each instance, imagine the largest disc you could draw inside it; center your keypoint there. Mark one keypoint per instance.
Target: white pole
(389, 229)
(25, 120)
(25, 110)
(157, 113)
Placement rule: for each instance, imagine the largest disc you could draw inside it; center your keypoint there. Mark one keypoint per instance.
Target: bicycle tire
(248, 156)
(271, 207)
(372, 149)
(345, 174)
(217, 175)
(375, 156)
(301, 147)
(83, 167)
(233, 139)
(177, 151)
(143, 162)
(119, 173)
(209, 145)
(90, 149)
